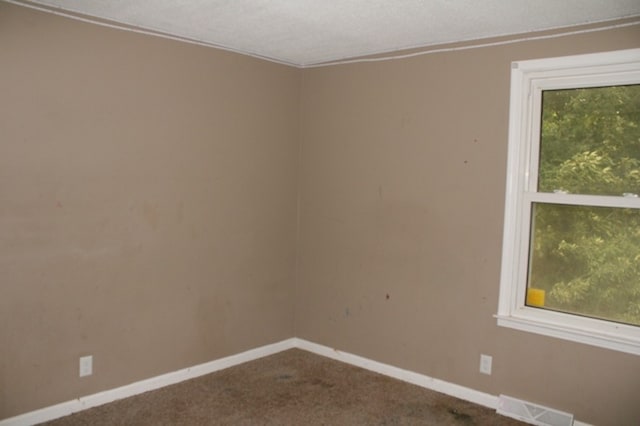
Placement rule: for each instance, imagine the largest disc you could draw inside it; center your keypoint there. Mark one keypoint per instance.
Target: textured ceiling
(308, 32)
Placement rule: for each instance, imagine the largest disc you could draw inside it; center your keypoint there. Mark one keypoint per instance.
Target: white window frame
(528, 80)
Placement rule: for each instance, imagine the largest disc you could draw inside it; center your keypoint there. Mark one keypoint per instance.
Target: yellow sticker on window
(535, 297)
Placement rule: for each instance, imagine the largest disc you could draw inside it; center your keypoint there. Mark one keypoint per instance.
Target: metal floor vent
(532, 413)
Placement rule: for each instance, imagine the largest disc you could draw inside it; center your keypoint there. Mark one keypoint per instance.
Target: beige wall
(147, 206)
(148, 215)
(402, 195)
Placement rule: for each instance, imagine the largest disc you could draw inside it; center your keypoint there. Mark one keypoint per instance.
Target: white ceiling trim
(477, 45)
(303, 43)
(114, 25)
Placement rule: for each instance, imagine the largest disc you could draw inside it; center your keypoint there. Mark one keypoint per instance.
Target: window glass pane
(586, 260)
(590, 141)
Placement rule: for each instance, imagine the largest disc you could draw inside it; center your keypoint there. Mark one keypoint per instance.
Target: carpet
(293, 387)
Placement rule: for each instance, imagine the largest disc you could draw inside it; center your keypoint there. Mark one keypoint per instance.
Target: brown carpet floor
(294, 387)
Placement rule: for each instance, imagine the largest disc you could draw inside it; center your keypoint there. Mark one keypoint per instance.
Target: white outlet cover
(86, 365)
(485, 364)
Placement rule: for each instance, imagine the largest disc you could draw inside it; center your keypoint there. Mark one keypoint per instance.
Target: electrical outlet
(86, 365)
(485, 364)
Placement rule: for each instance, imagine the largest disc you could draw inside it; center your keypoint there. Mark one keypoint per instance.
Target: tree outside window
(587, 259)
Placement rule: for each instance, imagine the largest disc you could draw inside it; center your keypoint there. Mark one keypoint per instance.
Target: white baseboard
(421, 380)
(83, 403)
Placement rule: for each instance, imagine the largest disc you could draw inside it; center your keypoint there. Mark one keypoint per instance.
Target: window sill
(604, 334)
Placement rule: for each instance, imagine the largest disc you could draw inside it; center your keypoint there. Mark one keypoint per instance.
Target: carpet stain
(460, 416)
(284, 377)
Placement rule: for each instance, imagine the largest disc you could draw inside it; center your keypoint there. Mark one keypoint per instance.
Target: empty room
(444, 194)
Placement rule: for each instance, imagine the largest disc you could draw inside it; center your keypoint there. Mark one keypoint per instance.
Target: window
(571, 249)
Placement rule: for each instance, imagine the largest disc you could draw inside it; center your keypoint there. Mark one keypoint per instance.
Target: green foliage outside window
(587, 259)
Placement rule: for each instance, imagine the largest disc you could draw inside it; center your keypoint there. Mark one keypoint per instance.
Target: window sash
(619, 76)
(580, 200)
